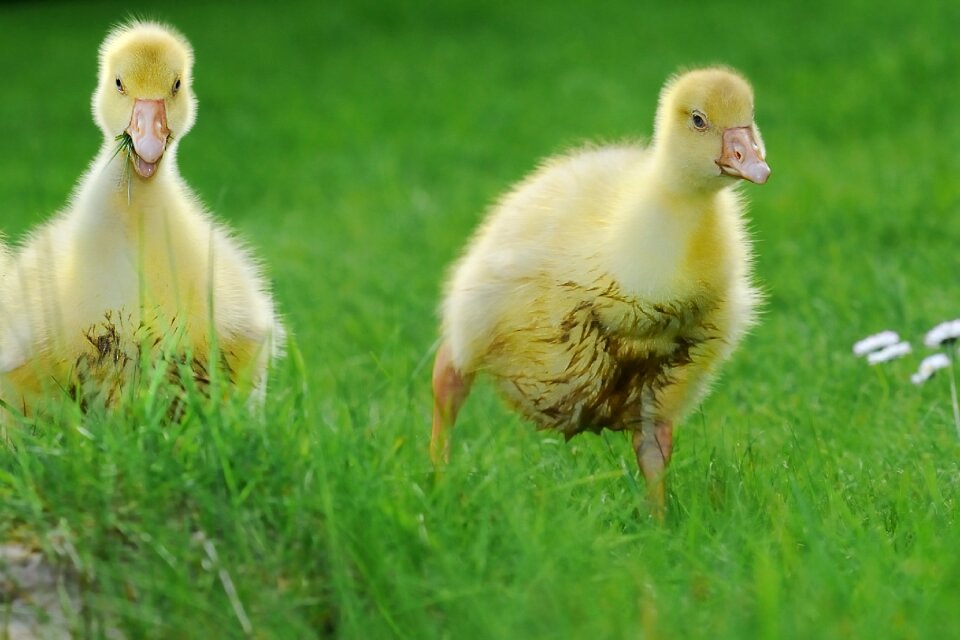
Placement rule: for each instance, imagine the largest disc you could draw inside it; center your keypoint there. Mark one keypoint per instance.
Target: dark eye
(176, 86)
(699, 122)
(120, 86)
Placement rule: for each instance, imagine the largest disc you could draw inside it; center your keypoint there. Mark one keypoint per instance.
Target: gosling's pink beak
(741, 156)
(148, 129)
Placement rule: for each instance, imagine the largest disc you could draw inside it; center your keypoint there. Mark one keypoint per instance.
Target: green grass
(356, 145)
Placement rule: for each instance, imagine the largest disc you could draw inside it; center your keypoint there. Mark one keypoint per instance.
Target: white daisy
(929, 366)
(876, 341)
(943, 332)
(889, 353)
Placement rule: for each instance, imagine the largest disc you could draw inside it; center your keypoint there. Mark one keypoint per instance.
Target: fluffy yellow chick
(134, 261)
(605, 289)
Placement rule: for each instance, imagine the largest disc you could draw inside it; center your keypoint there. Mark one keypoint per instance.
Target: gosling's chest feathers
(137, 230)
(607, 348)
(667, 249)
(629, 328)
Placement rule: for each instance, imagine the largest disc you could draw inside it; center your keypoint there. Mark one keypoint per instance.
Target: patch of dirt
(37, 600)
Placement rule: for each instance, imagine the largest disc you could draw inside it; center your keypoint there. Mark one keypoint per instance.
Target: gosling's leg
(654, 445)
(450, 390)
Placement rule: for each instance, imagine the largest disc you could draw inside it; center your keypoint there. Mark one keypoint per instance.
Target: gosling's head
(705, 129)
(144, 90)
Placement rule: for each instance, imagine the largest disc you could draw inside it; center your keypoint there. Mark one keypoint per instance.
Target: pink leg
(450, 390)
(654, 444)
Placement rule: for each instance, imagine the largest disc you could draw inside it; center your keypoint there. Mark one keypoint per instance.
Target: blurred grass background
(356, 144)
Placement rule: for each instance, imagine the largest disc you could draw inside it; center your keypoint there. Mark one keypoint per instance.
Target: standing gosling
(606, 288)
(134, 261)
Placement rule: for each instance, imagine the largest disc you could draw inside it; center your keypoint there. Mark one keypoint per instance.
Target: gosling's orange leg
(450, 390)
(654, 445)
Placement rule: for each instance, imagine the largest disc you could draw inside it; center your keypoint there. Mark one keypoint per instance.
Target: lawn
(355, 145)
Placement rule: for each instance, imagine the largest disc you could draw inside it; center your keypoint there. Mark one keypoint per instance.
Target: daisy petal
(876, 341)
(943, 332)
(889, 353)
(929, 366)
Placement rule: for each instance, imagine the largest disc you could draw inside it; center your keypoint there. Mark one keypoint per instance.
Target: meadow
(355, 145)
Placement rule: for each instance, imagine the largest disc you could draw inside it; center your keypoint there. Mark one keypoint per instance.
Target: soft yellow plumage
(134, 260)
(605, 289)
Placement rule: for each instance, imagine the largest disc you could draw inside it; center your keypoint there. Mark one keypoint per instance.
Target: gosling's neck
(683, 180)
(112, 187)
(660, 220)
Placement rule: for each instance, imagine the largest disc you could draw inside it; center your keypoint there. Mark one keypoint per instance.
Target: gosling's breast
(588, 371)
